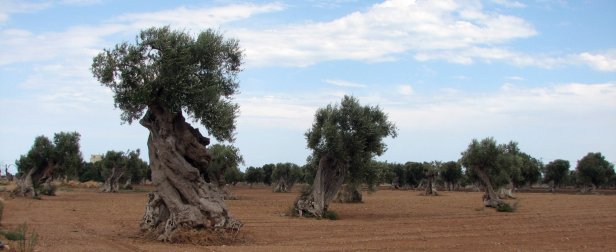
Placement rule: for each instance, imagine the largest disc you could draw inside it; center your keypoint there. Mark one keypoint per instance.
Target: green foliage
(61, 157)
(176, 72)
(13, 235)
(330, 215)
(505, 207)
(136, 168)
(29, 239)
(26, 240)
(40, 155)
(112, 159)
(68, 154)
(91, 172)
(556, 171)
(253, 175)
(267, 173)
(290, 172)
(594, 169)
(451, 173)
(352, 134)
(233, 175)
(133, 166)
(224, 157)
(502, 163)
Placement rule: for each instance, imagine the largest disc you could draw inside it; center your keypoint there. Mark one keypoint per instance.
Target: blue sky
(542, 73)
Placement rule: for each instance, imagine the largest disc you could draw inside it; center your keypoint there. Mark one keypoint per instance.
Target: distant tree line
(61, 159)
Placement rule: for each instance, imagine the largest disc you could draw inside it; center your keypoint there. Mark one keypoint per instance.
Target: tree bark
(490, 199)
(112, 183)
(327, 182)
(182, 199)
(349, 193)
(430, 187)
(281, 185)
(28, 184)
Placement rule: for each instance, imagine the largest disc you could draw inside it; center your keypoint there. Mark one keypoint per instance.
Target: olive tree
(451, 173)
(120, 170)
(556, 172)
(492, 164)
(343, 138)
(593, 170)
(161, 79)
(285, 175)
(253, 175)
(113, 166)
(47, 160)
(225, 160)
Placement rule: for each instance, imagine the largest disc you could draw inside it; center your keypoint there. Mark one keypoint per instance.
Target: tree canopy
(556, 172)
(352, 134)
(224, 158)
(173, 71)
(593, 169)
(63, 155)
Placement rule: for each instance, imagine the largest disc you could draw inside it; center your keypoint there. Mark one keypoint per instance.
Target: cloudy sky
(542, 73)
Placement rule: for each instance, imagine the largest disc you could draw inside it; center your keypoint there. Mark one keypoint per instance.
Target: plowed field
(387, 221)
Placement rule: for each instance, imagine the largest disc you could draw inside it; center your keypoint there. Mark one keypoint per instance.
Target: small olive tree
(343, 138)
(556, 172)
(593, 170)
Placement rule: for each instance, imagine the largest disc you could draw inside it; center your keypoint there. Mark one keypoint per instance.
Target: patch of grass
(12, 235)
(506, 207)
(26, 240)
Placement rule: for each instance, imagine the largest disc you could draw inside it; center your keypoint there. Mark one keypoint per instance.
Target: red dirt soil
(389, 220)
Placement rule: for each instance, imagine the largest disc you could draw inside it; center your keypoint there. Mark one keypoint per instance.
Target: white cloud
(382, 33)
(405, 89)
(509, 4)
(602, 62)
(515, 78)
(344, 83)
(196, 18)
(8, 7)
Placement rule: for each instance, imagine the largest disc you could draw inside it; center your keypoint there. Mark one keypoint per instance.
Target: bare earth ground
(82, 220)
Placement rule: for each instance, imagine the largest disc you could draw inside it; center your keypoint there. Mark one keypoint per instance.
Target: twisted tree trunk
(281, 185)
(327, 182)
(490, 199)
(430, 187)
(349, 193)
(112, 183)
(28, 184)
(182, 199)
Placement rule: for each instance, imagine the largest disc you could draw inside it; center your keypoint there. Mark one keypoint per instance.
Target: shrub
(12, 235)
(28, 241)
(506, 207)
(330, 215)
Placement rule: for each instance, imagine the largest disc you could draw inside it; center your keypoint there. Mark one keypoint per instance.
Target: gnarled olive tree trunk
(490, 199)
(327, 182)
(349, 193)
(112, 183)
(182, 199)
(281, 185)
(430, 187)
(28, 184)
